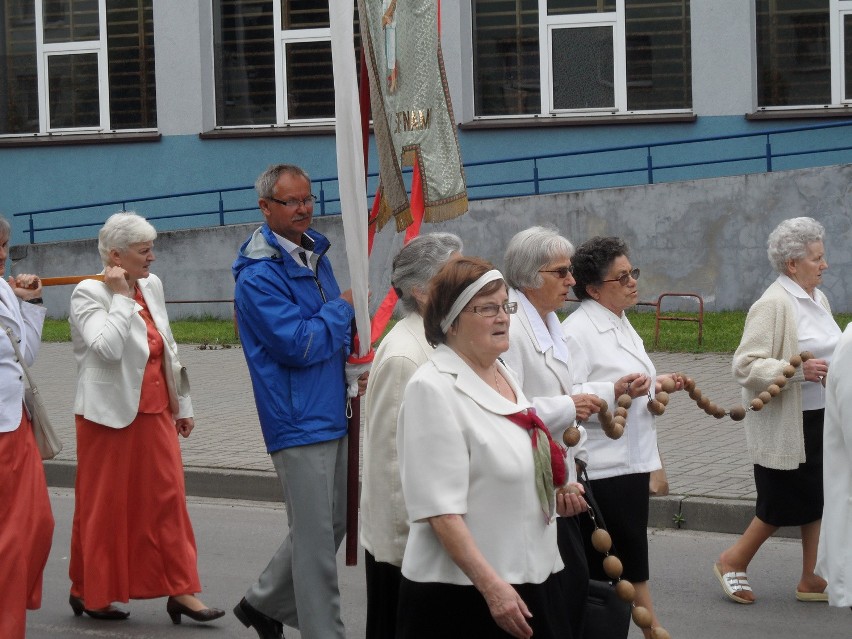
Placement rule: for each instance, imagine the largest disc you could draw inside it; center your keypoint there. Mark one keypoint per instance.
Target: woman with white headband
(480, 475)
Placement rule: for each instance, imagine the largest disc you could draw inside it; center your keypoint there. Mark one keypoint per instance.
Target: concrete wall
(704, 236)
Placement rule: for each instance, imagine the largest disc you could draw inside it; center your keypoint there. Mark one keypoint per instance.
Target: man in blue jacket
(294, 326)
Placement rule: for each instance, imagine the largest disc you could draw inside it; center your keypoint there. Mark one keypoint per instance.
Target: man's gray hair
(265, 183)
(5, 228)
(531, 250)
(418, 261)
(790, 240)
(121, 230)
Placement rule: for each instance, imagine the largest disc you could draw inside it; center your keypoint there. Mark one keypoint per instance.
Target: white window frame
(838, 10)
(45, 51)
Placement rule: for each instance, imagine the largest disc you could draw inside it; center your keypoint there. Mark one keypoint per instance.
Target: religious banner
(412, 113)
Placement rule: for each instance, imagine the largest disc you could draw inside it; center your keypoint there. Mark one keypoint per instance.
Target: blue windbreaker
(295, 343)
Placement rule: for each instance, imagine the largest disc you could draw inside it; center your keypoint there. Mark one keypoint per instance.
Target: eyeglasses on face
(294, 202)
(624, 279)
(561, 272)
(491, 310)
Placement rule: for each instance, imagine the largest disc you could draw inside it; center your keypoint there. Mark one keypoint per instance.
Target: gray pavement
(710, 476)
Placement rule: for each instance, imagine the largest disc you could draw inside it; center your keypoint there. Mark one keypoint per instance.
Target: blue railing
(521, 176)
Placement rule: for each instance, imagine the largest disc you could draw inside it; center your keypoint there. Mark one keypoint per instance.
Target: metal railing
(526, 175)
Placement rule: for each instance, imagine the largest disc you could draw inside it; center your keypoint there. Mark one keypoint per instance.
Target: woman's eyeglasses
(561, 272)
(491, 310)
(624, 279)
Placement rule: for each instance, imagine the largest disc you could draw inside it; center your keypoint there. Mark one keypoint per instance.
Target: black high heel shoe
(110, 613)
(176, 609)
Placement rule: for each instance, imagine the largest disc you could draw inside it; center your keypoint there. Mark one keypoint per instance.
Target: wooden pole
(68, 279)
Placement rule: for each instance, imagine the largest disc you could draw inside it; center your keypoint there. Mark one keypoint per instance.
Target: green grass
(722, 331)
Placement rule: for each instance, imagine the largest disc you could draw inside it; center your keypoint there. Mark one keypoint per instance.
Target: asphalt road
(235, 539)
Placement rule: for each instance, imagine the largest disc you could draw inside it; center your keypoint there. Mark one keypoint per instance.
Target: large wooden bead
(689, 385)
(642, 617)
(718, 412)
(796, 360)
(710, 408)
(620, 420)
(658, 632)
(695, 394)
(612, 566)
(616, 431)
(780, 381)
(765, 397)
(704, 403)
(621, 412)
(625, 591)
(571, 436)
(806, 355)
(788, 371)
(668, 385)
(601, 540)
(605, 417)
(737, 413)
(756, 404)
(774, 390)
(663, 398)
(604, 407)
(656, 407)
(624, 401)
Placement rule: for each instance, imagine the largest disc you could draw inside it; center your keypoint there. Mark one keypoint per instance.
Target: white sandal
(733, 582)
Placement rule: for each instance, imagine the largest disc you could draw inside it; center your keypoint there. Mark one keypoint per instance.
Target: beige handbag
(49, 444)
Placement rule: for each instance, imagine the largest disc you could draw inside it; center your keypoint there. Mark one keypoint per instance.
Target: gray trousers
(299, 586)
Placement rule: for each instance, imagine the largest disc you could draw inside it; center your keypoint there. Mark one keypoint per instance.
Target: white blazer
(26, 321)
(111, 347)
(834, 554)
(604, 347)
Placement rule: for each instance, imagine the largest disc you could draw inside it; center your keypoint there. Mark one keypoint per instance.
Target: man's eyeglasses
(491, 310)
(561, 272)
(624, 279)
(293, 202)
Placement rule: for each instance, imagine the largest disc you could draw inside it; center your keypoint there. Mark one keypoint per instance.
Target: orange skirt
(131, 537)
(26, 528)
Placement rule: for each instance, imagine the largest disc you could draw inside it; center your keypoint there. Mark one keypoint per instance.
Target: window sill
(65, 139)
(267, 132)
(535, 121)
(800, 114)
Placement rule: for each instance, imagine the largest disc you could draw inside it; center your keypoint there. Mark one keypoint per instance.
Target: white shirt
(294, 250)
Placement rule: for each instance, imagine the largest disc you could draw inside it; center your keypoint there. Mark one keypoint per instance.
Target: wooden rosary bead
(695, 394)
(625, 591)
(806, 355)
(601, 541)
(788, 371)
(765, 397)
(668, 385)
(663, 398)
(642, 617)
(688, 385)
(703, 403)
(719, 413)
(620, 420)
(658, 632)
(737, 413)
(756, 404)
(656, 407)
(612, 566)
(571, 436)
(616, 432)
(773, 389)
(796, 360)
(710, 408)
(780, 381)
(604, 408)
(621, 412)
(625, 401)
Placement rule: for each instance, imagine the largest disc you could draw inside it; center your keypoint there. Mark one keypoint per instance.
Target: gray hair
(790, 241)
(121, 230)
(529, 251)
(418, 261)
(265, 183)
(5, 228)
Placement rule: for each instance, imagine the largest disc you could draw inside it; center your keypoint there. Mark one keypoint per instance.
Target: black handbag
(607, 616)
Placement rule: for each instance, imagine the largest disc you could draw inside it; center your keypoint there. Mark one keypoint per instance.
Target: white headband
(466, 295)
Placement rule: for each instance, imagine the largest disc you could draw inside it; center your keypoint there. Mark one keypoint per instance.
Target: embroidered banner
(412, 113)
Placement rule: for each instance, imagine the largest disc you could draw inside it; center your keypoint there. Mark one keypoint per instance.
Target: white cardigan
(110, 342)
(384, 521)
(834, 556)
(26, 322)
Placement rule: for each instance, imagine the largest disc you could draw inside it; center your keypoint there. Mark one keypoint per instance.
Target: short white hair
(790, 241)
(121, 230)
(529, 251)
(5, 228)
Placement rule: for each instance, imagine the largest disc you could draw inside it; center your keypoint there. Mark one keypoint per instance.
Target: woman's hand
(115, 278)
(184, 426)
(25, 286)
(634, 384)
(815, 370)
(508, 609)
(570, 502)
(585, 405)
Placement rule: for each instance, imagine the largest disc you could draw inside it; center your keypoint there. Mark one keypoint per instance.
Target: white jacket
(26, 321)
(111, 347)
(602, 352)
(834, 556)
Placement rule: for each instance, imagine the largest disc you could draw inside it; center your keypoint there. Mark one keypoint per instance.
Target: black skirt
(794, 497)
(429, 610)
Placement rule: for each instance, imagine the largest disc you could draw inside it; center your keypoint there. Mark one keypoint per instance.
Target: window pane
(659, 54)
(70, 20)
(130, 42)
(304, 14)
(310, 80)
(847, 57)
(567, 7)
(245, 62)
(793, 52)
(582, 66)
(73, 90)
(18, 74)
(506, 57)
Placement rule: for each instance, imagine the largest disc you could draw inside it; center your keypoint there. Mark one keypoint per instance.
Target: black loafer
(251, 617)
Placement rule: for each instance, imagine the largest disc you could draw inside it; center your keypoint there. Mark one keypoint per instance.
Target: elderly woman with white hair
(384, 521)
(131, 536)
(785, 438)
